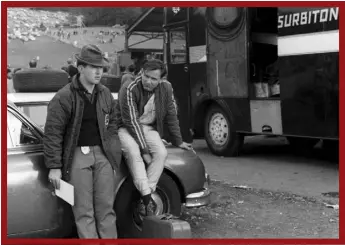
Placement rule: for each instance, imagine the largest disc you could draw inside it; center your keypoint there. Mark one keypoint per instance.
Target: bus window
(178, 53)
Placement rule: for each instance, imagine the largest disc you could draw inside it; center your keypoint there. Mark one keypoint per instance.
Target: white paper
(66, 192)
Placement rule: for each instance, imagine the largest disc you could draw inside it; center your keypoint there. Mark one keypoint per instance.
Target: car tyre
(220, 134)
(128, 197)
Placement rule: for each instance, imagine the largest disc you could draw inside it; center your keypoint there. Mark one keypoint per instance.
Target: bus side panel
(310, 94)
(240, 110)
(227, 68)
(308, 49)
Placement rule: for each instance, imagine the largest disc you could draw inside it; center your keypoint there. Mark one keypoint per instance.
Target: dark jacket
(61, 132)
(127, 77)
(132, 100)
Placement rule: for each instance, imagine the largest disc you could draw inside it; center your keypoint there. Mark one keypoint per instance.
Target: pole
(126, 41)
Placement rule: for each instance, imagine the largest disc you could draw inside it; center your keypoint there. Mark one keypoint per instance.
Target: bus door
(265, 99)
(176, 58)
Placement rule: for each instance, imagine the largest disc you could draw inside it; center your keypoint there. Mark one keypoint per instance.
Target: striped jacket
(132, 99)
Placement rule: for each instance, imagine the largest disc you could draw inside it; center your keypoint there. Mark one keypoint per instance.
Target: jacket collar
(79, 87)
(128, 73)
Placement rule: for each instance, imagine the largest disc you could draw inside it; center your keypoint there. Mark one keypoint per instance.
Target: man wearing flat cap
(79, 130)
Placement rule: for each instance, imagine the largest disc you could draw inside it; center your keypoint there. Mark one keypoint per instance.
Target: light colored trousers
(94, 192)
(145, 179)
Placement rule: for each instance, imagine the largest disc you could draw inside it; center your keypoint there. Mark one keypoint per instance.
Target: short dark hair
(81, 63)
(122, 68)
(155, 64)
(138, 55)
(131, 68)
(33, 64)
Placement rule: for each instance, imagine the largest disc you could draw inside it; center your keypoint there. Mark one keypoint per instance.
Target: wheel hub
(139, 210)
(218, 129)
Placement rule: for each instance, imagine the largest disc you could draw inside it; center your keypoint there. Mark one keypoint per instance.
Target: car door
(31, 207)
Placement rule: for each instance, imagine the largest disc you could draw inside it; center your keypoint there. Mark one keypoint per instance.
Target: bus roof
(149, 21)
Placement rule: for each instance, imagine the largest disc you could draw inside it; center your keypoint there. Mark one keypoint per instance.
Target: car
(35, 211)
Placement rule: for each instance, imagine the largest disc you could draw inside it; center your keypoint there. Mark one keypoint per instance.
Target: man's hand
(147, 158)
(54, 177)
(186, 146)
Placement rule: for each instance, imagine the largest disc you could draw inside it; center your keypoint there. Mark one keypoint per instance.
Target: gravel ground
(251, 213)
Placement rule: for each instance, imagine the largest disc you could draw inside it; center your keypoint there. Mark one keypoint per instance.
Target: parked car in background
(34, 210)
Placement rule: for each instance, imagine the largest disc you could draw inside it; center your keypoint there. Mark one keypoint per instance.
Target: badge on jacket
(106, 121)
(85, 150)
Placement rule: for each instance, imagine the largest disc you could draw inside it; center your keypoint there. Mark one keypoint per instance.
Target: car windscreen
(37, 113)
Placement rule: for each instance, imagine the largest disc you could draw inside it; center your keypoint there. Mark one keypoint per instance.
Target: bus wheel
(301, 144)
(220, 134)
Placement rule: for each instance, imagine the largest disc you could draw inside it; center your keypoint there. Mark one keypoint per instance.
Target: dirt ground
(285, 195)
(251, 213)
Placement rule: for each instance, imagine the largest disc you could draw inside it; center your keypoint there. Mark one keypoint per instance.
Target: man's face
(151, 79)
(91, 74)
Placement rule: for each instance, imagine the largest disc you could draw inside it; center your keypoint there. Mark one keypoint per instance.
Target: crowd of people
(101, 36)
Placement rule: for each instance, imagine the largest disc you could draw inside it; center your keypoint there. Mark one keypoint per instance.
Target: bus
(239, 72)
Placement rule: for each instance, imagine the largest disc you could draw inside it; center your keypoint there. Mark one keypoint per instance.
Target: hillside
(33, 32)
(101, 16)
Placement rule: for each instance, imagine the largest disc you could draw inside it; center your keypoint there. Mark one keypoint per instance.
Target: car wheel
(220, 134)
(39, 80)
(129, 215)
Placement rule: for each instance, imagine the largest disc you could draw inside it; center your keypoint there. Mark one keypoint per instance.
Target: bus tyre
(39, 80)
(220, 133)
(302, 144)
(127, 205)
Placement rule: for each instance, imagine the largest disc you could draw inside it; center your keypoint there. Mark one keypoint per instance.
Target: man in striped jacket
(144, 105)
